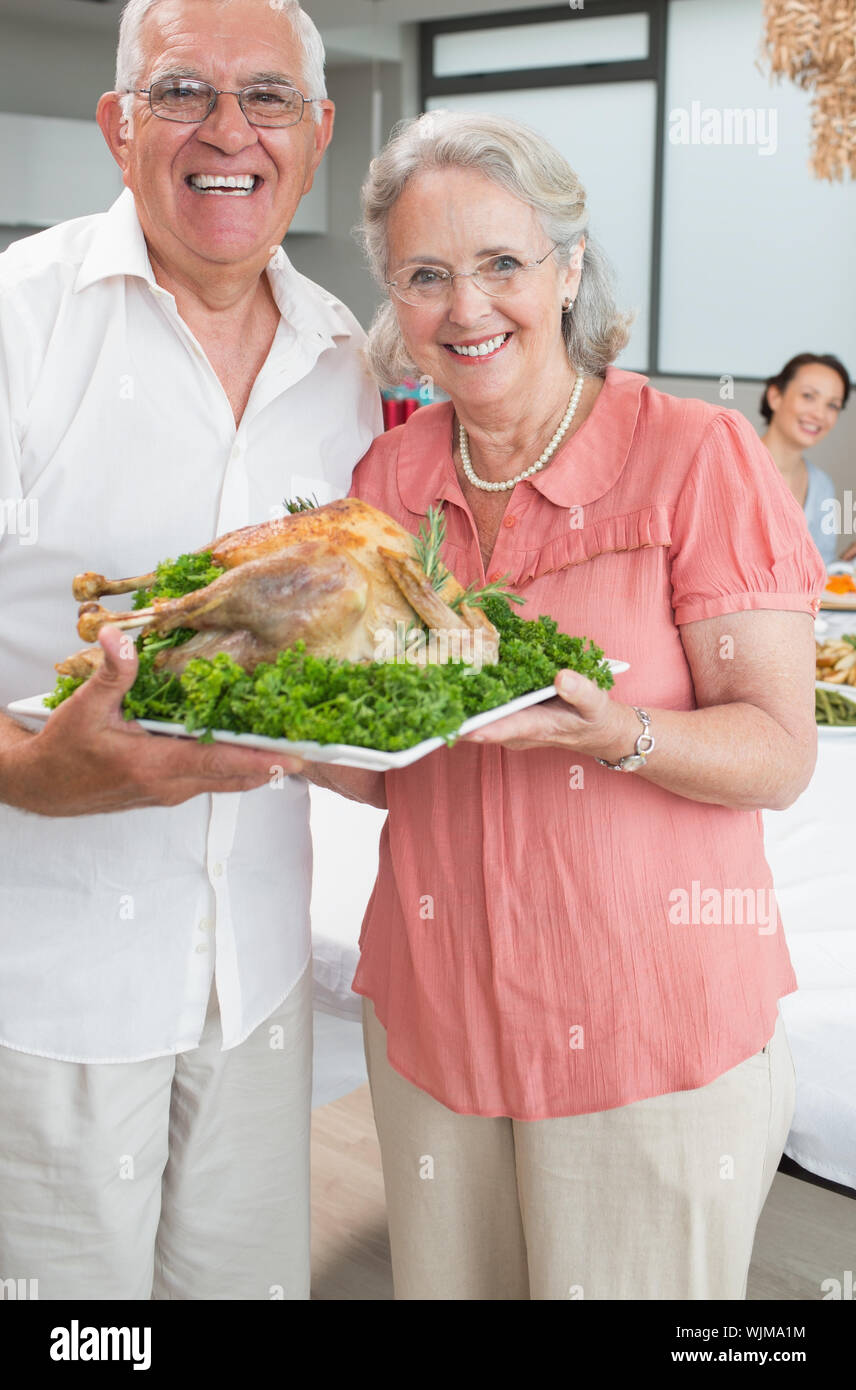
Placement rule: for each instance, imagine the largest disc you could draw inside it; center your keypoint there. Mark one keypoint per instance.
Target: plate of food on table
(330, 633)
(840, 591)
(835, 686)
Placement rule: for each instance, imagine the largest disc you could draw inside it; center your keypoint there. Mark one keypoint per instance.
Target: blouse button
(509, 521)
(497, 574)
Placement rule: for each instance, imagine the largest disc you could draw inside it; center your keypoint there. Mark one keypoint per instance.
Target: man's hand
(89, 759)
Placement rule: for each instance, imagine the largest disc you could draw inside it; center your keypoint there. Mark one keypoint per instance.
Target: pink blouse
(547, 937)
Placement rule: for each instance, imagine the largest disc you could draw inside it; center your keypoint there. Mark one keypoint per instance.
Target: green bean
(823, 712)
(833, 708)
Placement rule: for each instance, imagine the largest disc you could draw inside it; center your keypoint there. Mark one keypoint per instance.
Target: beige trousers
(182, 1177)
(654, 1200)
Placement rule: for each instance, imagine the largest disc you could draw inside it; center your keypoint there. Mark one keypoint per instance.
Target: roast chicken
(341, 578)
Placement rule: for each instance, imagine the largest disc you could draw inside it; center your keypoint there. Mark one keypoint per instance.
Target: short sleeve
(739, 537)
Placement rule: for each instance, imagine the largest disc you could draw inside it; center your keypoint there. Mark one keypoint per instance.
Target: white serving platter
(346, 755)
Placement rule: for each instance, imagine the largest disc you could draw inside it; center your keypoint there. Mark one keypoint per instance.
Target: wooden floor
(350, 1247)
(805, 1236)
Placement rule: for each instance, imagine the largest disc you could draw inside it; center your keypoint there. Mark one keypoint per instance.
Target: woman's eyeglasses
(190, 102)
(429, 284)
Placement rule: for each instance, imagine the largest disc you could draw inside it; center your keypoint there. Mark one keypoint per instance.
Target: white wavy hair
(130, 62)
(526, 165)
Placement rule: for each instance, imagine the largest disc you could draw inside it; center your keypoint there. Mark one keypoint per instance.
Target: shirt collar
(119, 248)
(583, 469)
(308, 308)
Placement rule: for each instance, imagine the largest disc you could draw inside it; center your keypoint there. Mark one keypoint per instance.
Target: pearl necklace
(548, 453)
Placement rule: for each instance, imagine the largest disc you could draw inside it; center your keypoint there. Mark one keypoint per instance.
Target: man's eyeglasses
(428, 284)
(190, 102)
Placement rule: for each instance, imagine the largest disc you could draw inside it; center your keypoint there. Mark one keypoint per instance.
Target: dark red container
(393, 414)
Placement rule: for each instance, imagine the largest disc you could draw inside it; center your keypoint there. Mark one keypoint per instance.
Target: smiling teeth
(483, 349)
(241, 184)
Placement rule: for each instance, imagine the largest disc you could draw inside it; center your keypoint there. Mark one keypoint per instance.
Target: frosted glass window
(606, 131)
(757, 255)
(563, 43)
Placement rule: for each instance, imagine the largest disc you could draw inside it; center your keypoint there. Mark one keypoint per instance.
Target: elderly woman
(571, 960)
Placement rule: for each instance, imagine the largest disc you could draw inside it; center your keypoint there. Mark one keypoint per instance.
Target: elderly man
(165, 376)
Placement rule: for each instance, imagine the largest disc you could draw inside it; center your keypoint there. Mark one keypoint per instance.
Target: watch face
(632, 763)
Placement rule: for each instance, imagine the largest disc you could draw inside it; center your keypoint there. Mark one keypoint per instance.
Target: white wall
(47, 70)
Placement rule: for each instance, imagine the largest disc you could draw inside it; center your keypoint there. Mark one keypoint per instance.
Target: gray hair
(526, 165)
(130, 62)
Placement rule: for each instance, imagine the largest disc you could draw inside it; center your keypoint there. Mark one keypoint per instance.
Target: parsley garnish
(174, 578)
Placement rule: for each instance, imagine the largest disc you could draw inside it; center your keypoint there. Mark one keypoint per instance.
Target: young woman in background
(801, 405)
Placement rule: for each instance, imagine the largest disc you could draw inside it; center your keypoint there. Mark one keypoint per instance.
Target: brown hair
(790, 369)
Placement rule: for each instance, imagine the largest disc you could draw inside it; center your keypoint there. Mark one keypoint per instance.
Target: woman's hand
(584, 718)
(750, 743)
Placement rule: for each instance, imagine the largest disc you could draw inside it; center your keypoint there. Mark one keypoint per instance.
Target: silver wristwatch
(639, 756)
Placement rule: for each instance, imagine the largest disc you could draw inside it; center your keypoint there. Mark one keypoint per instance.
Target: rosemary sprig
(428, 544)
(475, 596)
(300, 504)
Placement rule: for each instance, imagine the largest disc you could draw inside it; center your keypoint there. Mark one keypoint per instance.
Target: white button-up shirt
(118, 448)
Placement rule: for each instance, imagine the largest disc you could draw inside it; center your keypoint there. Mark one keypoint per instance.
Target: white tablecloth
(811, 849)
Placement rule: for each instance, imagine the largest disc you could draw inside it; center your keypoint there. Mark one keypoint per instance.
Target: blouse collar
(586, 467)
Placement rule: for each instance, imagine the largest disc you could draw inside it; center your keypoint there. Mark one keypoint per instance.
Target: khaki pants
(182, 1177)
(654, 1200)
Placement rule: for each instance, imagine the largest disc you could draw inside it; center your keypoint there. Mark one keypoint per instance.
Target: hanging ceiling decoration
(813, 42)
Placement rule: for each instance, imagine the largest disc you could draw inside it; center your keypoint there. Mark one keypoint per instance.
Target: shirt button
(509, 521)
(202, 948)
(497, 574)
(206, 924)
(217, 870)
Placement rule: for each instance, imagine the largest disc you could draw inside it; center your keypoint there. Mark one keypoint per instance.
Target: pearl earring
(567, 304)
